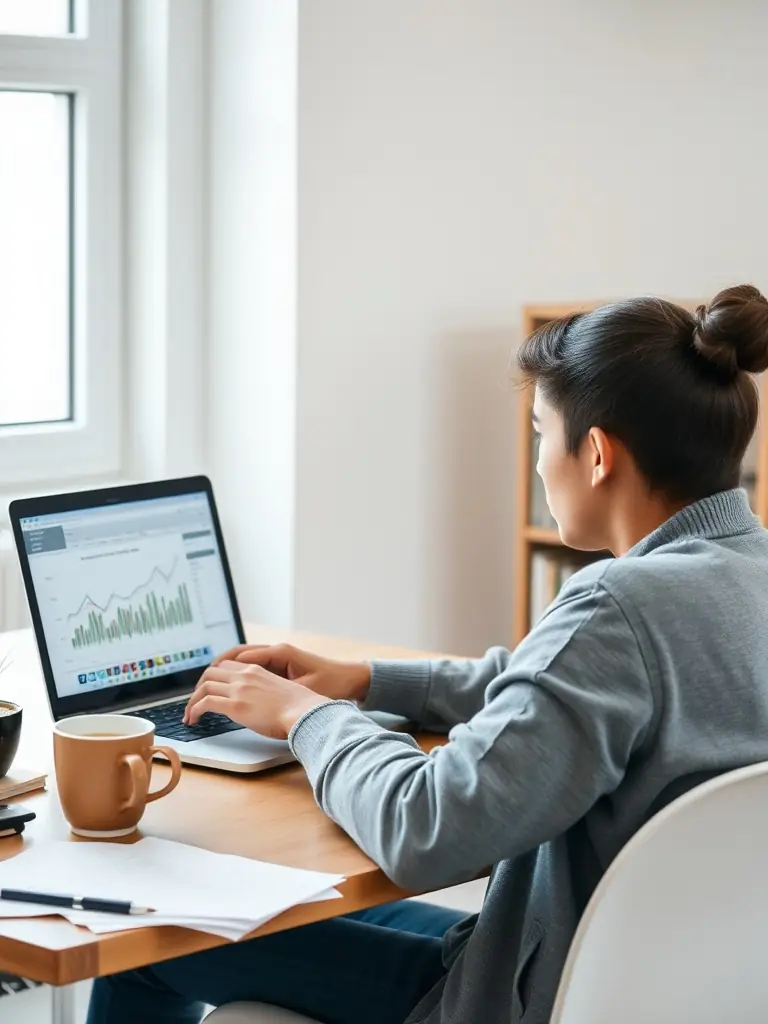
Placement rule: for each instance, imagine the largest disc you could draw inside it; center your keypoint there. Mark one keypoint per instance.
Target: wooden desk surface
(269, 816)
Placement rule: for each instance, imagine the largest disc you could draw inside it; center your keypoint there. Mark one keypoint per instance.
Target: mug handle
(137, 770)
(173, 782)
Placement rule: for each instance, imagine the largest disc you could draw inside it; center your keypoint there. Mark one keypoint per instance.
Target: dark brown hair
(673, 387)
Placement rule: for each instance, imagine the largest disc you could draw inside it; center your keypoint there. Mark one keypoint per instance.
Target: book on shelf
(549, 572)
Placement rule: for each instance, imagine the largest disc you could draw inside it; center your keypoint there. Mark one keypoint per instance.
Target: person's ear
(601, 452)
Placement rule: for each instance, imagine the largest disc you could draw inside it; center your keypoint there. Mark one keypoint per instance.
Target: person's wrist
(299, 706)
(360, 682)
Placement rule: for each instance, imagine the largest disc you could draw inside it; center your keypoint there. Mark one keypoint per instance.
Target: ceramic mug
(10, 732)
(103, 771)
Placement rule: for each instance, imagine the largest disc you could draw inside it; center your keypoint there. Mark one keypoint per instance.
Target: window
(35, 263)
(60, 239)
(36, 17)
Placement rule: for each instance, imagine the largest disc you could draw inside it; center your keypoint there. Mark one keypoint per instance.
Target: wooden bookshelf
(532, 538)
(542, 535)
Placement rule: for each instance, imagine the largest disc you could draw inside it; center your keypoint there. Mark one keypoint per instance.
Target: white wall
(252, 321)
(166, 266)
(456, 159)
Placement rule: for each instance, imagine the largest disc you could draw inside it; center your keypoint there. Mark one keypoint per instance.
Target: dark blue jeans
(373, 966)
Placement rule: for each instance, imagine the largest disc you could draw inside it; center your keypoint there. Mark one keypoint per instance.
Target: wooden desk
(269, 816)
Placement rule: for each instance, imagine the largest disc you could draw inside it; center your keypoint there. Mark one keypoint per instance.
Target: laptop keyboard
(168, 722)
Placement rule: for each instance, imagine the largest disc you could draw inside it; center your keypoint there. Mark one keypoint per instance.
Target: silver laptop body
(131, 597)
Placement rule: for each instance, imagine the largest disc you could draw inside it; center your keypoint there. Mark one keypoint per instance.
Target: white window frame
(87, 64)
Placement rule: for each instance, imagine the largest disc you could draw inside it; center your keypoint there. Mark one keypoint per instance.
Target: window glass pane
(35, 17)
(35, 370)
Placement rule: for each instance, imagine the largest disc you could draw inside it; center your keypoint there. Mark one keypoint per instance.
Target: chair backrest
(677, 930)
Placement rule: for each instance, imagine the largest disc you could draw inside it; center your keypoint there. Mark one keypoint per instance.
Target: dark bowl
(10, 732)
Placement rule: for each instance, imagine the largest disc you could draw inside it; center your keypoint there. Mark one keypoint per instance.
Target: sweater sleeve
(555, 732)
(434, 694)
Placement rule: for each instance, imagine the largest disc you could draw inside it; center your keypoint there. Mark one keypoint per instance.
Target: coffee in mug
(103, 770)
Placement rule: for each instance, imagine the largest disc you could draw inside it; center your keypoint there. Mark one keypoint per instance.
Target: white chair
(255, 1013)
(676, 931)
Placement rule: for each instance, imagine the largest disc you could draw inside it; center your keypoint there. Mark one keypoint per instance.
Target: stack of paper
(210, 892)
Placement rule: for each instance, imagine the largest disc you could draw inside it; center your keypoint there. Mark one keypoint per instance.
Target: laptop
(131, 598)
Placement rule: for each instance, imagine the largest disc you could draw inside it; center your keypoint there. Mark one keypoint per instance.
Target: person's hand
(339, 680)
(262, 701)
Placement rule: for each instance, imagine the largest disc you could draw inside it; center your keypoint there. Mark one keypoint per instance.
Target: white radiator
(14, 613)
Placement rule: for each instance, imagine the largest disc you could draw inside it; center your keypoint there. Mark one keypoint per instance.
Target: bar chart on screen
(122, 603)
(147, 609)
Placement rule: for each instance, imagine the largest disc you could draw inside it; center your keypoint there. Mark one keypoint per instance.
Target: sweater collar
(726, 514)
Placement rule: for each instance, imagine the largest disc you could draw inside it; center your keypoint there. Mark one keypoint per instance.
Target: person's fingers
(231, 654)
(214, 670)
(208, 687)
(217, 704)
(277, 658)
(214, 684)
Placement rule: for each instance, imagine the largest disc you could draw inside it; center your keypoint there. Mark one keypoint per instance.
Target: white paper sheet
(195, 888)
(227, 928)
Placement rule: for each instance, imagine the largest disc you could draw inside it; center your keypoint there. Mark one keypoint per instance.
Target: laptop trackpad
(241, 747)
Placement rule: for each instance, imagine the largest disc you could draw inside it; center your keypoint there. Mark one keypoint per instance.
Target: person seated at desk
(647, 675)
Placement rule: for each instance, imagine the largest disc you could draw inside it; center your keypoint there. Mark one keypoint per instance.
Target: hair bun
(732, 331)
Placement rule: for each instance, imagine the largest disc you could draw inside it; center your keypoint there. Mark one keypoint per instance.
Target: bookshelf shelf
(542, 561)
(543, 535)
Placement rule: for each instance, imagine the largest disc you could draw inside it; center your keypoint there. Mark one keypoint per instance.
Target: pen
(49, 899)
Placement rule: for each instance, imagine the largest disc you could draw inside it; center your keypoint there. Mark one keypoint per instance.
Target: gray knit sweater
(648, 673)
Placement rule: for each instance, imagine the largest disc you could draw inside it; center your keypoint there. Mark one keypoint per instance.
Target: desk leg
(63, 1004)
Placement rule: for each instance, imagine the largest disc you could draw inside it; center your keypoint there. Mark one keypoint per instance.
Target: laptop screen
(129, 592)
